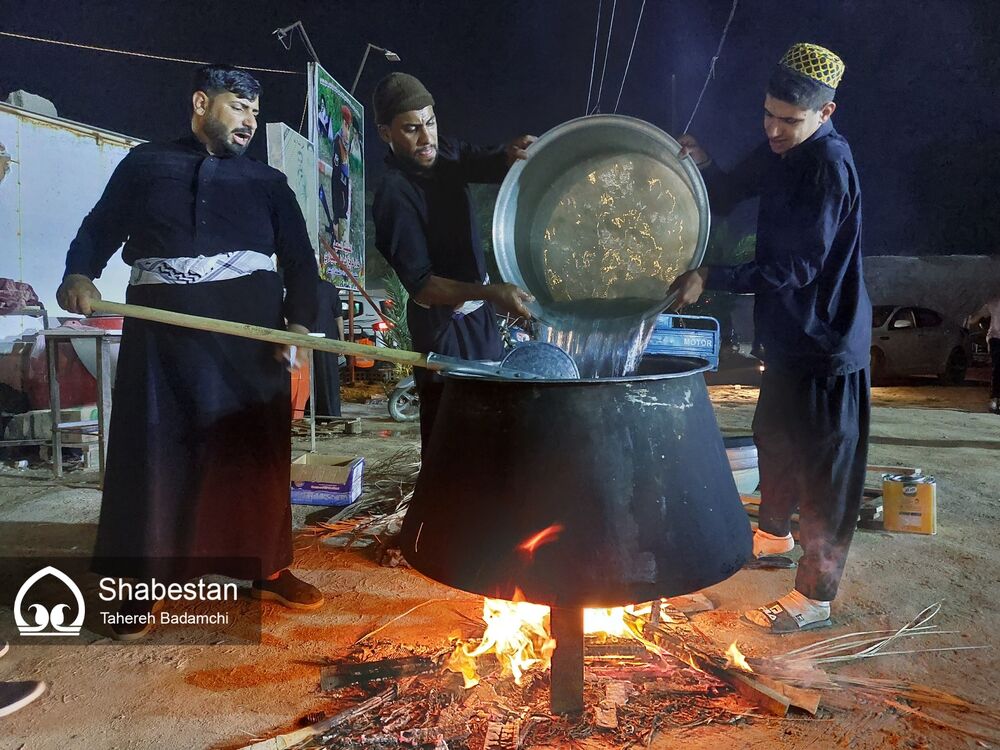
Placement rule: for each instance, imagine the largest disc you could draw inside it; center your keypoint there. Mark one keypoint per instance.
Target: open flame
(545, 536)
(517, 632)
(607, 622)
(735, 658)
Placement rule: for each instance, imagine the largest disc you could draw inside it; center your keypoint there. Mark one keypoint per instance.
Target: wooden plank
(803, 698)
(757, 692)
(894, 469)
(745, 684)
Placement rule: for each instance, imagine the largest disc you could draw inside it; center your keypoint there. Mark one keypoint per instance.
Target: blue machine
(686, 336)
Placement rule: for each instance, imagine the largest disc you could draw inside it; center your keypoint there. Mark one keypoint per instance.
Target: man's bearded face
(413, 137)
(229, 123)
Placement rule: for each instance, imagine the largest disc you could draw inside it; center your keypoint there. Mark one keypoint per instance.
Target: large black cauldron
(580, 493)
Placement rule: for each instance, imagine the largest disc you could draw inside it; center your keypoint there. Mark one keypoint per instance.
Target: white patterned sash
(197, 270)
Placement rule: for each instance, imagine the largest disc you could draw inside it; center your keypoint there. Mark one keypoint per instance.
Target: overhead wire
(604, 67)
(593, 58)
(711, 66)
(144, 55)
(630, 51)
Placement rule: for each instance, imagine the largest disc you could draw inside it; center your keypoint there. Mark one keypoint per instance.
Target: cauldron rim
(698, 365)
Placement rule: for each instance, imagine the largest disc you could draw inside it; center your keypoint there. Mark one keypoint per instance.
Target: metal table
(37, 311)
(102, 341)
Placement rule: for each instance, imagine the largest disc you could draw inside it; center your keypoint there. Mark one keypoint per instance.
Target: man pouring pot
(812, 317)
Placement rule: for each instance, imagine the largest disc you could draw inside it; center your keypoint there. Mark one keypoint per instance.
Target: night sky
(918, 101)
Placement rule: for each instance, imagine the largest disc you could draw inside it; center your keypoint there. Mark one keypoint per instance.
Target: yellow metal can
(909, 503)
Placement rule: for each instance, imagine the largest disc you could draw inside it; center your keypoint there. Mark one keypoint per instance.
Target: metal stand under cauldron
(622, 485)
(566, 668)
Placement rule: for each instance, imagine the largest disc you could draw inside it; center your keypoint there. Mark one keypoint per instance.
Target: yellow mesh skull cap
(814, 62)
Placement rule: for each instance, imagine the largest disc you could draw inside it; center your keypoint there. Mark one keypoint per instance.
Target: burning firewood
(350, 673)
(764, 697)
(324, 726)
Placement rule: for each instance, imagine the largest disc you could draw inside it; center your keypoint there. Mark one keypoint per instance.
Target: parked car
(910, 340)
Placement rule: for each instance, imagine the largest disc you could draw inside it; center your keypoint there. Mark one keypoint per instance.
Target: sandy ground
(109, 695)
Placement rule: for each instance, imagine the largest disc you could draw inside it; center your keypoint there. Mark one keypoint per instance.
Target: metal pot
(580, 493)
(600, 219)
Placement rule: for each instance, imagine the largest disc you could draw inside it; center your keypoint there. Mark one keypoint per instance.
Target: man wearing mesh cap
(425, 227)
(812, 317)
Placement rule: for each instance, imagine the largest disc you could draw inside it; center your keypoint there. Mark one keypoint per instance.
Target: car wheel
(954, 368)
(877, 368)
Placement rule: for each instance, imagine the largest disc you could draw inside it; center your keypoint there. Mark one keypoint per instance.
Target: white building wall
(58, 171)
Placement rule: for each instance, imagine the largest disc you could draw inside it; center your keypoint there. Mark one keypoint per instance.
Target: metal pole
(566, 683)
(312, 401)
(361, 67)
(54, 406)
(350, 334)
(103, 400)
(283, 33)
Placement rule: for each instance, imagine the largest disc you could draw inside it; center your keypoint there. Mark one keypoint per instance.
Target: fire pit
(577, 493)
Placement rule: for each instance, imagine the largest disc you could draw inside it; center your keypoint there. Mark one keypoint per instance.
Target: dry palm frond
(389, 486)
(410, 611)
(866, 644)
(801, 667)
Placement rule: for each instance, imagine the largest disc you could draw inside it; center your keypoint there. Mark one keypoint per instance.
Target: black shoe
(17, 695)
(288, 591)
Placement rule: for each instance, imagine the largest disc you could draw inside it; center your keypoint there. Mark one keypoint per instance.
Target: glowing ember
(735, 658)
(545, 536)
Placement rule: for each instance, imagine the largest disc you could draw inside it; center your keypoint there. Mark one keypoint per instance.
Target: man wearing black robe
(197, 478)
(812, 318)
(425, 226)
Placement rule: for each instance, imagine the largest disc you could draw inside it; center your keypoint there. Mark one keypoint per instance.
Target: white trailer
(57, 173)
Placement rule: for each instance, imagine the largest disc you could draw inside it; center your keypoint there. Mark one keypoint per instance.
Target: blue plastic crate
(686, 336)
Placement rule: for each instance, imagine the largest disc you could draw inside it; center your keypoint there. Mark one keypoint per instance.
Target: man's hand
(76, 293)
(509, 299)
(518, 148)
(293, 356)
(690, 147)
(689, 287)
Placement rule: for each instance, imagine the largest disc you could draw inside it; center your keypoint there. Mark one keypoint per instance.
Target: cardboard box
(326, 480)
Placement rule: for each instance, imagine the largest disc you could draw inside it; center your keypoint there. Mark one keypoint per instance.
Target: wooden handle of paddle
(275, 336)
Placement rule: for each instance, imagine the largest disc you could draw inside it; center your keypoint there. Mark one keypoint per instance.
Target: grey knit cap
(396, 93)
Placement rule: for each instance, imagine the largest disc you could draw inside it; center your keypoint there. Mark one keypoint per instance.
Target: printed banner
(295, 156)
(336, 128)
